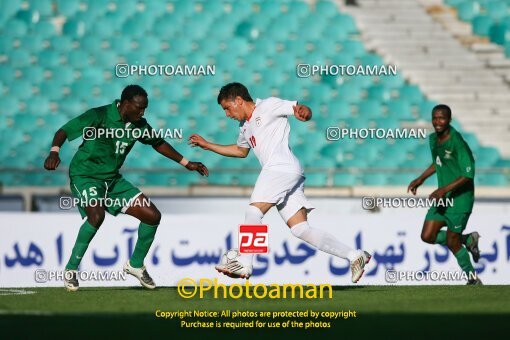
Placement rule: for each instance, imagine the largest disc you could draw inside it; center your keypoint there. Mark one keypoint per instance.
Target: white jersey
(267, 133)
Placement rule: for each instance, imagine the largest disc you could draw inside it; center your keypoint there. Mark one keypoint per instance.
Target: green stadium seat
(21, 89)
(342, 22)
(316, 179)
(28, 16)
(220, 179)
(83, 89)
(425, 109)
(333, 151)
(44, 29)
(370, 109)
(217, 30)
(467, 10)
(78, 59)
(486, 157)
(61, 44)
(345, 180)
(375, 179)
(349, 92)
(11, 107)
(402, 178)
(55, 121)
(38, 104)
(7, 73)
(326, 8)
(298, 8)
(338, 110)
(62, 75)
(481, 25)
(391, 82)
(411, 93)
(496, 9)
(497, 33)
(104, 59)
(74, 28)
(320, 92)
(491, 179)
(91, 43)
(50, 59)
(379, 92)
(245, 179)
(400, 108)
(52, 90)
(19, 58)
(32, 43)
(8, 9)
(386, 123)
(14, 28)
(67, 8)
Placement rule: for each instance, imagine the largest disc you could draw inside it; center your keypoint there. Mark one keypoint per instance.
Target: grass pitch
(406, 311)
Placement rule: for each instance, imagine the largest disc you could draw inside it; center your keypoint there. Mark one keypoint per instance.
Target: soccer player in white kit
(264, 127)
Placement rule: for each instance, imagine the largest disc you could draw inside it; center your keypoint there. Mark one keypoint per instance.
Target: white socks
(323, 241)
(253, 216)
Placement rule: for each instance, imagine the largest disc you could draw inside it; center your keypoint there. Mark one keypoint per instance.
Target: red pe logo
(253, 239)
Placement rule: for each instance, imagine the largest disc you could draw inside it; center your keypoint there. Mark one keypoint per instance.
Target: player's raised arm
(413, 186)
(53, 160)
(168, 151)
(232, 150)
(302, 112)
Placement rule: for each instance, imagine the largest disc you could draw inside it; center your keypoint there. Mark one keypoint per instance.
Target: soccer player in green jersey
(455, 168)
(109, 133)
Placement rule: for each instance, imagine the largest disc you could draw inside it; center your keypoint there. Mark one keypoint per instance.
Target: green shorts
(456, 222)
(115, 195)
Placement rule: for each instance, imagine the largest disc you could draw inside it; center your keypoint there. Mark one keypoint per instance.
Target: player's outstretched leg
(471, 243)
(328, 243)
(242, 265)
(149, 217)
(95, 217)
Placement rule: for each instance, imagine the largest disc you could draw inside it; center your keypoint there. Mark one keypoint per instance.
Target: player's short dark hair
(232, 90)
(131, 91)
(445, 108)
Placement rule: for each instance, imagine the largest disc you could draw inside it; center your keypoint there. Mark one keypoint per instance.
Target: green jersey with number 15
(106, 141)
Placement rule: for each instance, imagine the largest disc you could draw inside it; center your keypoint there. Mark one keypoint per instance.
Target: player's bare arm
(232, 150)
(413, 186)
(53, 160)
(441, 192)
(168, 151)
(302, 112)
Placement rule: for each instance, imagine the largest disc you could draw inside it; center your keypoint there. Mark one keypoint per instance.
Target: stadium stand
(57, 58)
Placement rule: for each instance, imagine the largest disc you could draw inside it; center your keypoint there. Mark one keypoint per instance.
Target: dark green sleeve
(74, 127)
(150, 138)
(465, 159)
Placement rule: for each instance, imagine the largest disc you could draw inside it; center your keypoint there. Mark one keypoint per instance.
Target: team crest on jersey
(447, 154)
(258, 121)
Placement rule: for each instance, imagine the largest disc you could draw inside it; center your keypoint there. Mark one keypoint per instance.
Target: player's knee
(453, 243)
(253, 215)
(428, 238)
(96, 218)
(154, 217)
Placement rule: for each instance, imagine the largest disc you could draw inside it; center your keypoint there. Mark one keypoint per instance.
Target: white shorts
(285, 190)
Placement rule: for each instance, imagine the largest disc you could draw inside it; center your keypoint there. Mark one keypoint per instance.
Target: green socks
(464, 261)
(466, 239)
(85, 235)
(441, 238)
(146, 235)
